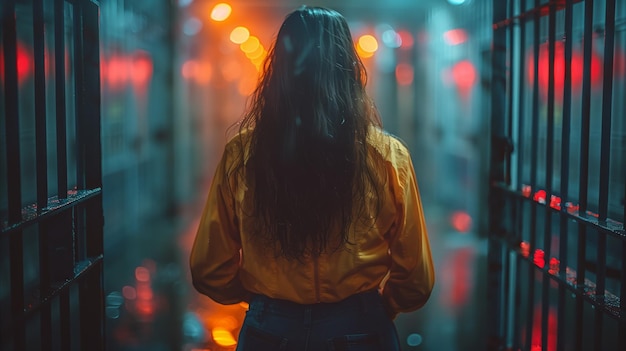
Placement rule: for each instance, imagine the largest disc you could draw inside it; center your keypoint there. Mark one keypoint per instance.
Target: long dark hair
(309, 118)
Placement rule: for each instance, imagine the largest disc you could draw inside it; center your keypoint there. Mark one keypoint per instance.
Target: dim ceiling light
(456, 2)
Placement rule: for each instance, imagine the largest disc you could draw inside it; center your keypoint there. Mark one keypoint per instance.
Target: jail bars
(51, 243)
(557, 260)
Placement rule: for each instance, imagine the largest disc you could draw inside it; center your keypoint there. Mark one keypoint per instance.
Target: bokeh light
(221, 12)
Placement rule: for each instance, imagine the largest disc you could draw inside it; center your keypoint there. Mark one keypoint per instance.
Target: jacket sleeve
(215, 254)
(412, 276)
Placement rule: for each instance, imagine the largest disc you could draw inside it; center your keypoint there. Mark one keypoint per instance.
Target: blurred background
(176, 75)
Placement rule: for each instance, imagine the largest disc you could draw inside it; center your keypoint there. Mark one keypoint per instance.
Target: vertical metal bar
(607, 104)
(40, 105)
(533, 171)
(79, 68)
(547, 230)
(584, 169)
(496, 198)
(13, 191)
(59, 65)
(622, 301)
(11, 110)
(88, 110)
(521, 110)
(521, 139)
(565, 154)
(509, 98)
(605, 152)
(45, 317)
(64, 313)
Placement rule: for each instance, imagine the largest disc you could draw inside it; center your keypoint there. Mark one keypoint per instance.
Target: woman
(314, 215)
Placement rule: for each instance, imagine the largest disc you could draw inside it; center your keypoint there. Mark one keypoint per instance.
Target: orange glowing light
(363, 54)
(231, 71)
(239, 35)
(256, 53)
(199, 72)
(246, 86)
(221, 12)
(368, 43)
(250, 45)
(223, 337)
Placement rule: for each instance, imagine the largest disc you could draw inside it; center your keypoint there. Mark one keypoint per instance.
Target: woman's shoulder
(387, 144)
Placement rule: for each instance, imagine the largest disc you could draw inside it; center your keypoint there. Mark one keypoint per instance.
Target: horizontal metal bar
(608, 303)
(81, 269)
(30, 214)
(609, 226)
(542, 10)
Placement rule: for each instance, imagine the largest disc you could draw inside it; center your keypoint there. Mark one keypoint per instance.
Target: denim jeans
(358, 323)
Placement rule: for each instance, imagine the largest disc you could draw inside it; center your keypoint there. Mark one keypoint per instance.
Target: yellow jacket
(390, 253)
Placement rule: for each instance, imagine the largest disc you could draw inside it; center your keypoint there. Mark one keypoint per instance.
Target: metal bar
(565, 154)
(509, 98)
(533, 173)
(40, 104)
(605, 152)
(547, 229)
(73, 198)
(81, 270)
(610, 227)
(521, 110)
(64, 313)
(79, 97)
(61, 111)
(91, 289)
(622, 301)
(11, 110)
(584, 167)
(45, 316)
(13, 191)
(607, 104)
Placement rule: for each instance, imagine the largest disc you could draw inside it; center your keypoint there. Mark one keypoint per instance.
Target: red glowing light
(24, 63)
(554, 265)
(117, 72)
(129, 292)
(461, 221)
(555, 202)
(540, 196)
(455, 36)
(537, 330)
(404, 74)
(524, 249)
(538, 258)
(526, 190)
(407, 39)
(577, 64)
(142, 274)
(141, 69)
(464, 75)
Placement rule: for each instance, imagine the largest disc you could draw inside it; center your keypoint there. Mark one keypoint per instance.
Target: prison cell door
(51, 199)
(557, 245)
